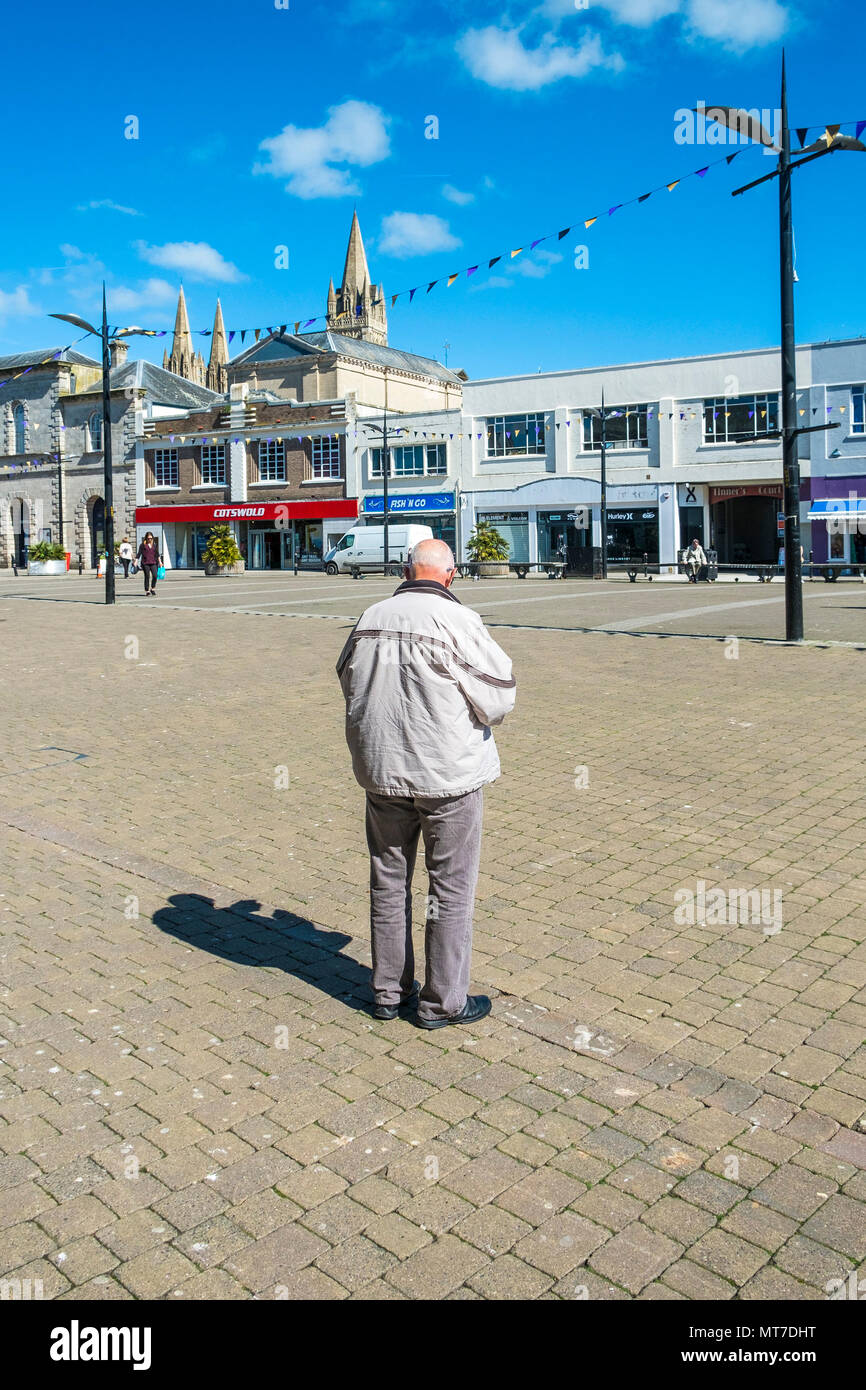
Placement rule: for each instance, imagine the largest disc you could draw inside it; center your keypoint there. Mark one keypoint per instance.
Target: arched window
(19, 421)
(94, 428)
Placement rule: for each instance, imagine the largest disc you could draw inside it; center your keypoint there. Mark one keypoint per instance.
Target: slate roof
(165, 388)
(328, 341)
(38, 355)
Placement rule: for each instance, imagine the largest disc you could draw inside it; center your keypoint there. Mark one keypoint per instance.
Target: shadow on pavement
(239, 933)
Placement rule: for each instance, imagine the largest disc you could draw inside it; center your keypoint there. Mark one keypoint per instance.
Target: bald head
(431, 559)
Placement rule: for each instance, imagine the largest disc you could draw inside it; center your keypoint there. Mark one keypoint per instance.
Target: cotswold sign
(248, 511)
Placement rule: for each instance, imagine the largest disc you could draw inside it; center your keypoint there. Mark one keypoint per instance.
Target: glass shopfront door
(566, 536)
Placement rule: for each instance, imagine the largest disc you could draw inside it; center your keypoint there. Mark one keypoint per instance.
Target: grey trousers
(451, 827)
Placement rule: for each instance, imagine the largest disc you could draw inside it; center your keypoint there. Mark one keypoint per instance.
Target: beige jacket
(424, 683)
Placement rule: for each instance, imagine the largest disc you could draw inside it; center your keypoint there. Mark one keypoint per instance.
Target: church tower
(357, 308)
(216, 377)
(183, 360)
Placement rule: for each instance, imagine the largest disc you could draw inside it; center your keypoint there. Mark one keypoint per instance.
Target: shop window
(165, 468)
(625, 427)
(733, 419)
(858, 410)
(272, 461)
(325, 462)
(213, 464)
(411, 460)
(514, 528)
(515, 434)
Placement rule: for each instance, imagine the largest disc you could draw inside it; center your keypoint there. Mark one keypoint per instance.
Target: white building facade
(693, 449)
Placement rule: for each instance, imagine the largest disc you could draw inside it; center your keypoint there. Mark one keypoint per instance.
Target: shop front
(270, 535)
(837, 513)
(743, 522)
(434, 509)
(632, 533)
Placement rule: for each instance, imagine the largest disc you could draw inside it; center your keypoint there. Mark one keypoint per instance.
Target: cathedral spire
(184, 361)
(219, 353)
(355, 272)
(353, 309)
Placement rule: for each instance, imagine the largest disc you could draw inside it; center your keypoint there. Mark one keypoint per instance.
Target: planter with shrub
(487, 548)
(45, 558)
(222, 555)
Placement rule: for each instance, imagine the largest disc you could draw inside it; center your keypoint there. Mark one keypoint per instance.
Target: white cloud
(355, 133)
(738, 23)
(536, 266)
(642, 13)
(455, 195)
(16, 301)
(108, 204)
(500, 58)
(415, 234)
(196, 259)
(152, 291)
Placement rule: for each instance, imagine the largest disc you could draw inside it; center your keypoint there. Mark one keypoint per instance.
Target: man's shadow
(294, 944)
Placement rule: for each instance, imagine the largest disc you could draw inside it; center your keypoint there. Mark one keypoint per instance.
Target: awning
(250, 511)
(838, 509)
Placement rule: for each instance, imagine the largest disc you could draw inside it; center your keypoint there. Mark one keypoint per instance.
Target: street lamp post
(108, 476)
(734, 118)
(601, 415)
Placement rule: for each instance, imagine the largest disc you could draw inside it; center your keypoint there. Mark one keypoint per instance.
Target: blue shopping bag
(160, 573)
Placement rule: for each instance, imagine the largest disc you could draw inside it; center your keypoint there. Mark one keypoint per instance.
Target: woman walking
(125, 553)
(149, 558)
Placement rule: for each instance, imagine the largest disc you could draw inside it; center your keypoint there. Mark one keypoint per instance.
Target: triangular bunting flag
(860, 127)
(672, 186)
(243, 334)
(611, 211)
(283, 327)
(589, 221)
(451, 279)
(729, 158)
(394, 298)
(430, 286)
(700, 172)
(802, 132)
(231, 334)
(565, 231)
(472, 269)
(492, 262)
(412, 293)
(516, 252)
(258, 333)
(537, 242)
(297, 325)
(643, 197)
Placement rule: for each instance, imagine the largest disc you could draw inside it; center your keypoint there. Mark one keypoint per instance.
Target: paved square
(669, 1098)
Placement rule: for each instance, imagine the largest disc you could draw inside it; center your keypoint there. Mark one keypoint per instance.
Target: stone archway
(16, 526)
(83, 526)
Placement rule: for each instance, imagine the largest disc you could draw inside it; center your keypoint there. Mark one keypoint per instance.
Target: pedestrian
(126, 555)
(424, 683)
(694, 560)
(150, 559)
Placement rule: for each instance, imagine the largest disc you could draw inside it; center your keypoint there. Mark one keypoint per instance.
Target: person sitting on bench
(694, 560)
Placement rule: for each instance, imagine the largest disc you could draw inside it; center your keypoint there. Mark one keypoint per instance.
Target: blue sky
(260, 127)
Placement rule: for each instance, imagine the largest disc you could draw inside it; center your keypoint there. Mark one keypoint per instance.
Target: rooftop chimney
(119, 351)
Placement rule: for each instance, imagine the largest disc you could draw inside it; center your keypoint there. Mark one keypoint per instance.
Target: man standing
(424, 683)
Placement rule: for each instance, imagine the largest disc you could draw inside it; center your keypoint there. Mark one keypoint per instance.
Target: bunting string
(302, 324)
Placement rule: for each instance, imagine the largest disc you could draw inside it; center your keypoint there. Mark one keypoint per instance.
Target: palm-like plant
(486, 544)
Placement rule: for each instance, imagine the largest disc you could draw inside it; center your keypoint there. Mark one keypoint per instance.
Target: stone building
(51, 460)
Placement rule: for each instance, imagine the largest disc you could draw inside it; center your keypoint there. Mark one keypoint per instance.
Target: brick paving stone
(793, 1191)
(635, 1256)
(759, 1224)
(436, 1210)
(810, 1262)
(698, 1283)
(491, 1229)
(540, 1194)
(437, 1269)
(311, 1186)
(839, 1223)
(771, 1285)
(81, 1260)
(608, 1207)
(212, 1241)
(482, 1179)
(337, 1219)
(393, 1232)
(728, 1256)
(558, 1246)
(274, 1257)
(679, 1219)
(153, 1273)
(263, 1213)
(507, 1277)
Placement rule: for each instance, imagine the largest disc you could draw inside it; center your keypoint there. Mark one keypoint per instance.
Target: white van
(364, 547)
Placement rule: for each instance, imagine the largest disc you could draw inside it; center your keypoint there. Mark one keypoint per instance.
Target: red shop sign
(724, 494)
(249, 511)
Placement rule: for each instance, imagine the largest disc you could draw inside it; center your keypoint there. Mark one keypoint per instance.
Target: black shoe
(389, 1011)
(477, 1006)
